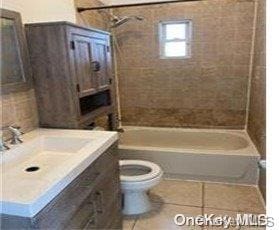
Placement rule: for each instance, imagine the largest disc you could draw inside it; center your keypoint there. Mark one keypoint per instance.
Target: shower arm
(81, 9)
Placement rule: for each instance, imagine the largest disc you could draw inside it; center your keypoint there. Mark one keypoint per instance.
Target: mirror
(15, 66)
(12, 70)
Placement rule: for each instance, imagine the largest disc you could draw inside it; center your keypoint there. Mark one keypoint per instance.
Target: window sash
(176, 54)
(164, 30)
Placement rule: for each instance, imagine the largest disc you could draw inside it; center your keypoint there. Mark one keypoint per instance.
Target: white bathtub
(196, 154)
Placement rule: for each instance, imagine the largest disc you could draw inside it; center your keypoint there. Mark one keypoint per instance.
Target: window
(175, 39)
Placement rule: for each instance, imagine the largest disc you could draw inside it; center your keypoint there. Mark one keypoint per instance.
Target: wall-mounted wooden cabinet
(73, 76)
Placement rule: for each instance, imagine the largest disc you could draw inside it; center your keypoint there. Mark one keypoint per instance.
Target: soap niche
(93, 102)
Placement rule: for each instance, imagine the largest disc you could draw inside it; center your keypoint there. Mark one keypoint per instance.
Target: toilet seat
(155, 170)
(136, 178)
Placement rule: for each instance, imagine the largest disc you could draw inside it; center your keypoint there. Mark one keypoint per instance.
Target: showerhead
(139, 18)
(116, 21)
(119, 21)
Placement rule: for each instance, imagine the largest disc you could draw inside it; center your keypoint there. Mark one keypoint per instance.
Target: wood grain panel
(62, 56)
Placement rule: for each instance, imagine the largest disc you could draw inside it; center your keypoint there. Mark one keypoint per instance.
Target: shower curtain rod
(81, 9)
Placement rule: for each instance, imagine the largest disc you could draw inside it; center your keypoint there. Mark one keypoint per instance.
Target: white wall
(42, 10)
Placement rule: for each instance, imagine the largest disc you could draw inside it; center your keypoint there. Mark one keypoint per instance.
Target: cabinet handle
(99, 201)
(93, 216)
(96, 66)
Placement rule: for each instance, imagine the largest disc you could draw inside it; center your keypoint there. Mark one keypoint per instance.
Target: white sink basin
(62, 144)
(35, 171)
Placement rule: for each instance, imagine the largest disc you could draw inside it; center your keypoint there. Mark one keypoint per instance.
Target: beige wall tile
(19, 109)
(257, 116)
(256, 121)
(212, 83)
(97, 19)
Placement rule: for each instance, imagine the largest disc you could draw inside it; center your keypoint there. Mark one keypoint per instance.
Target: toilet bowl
(137, 177)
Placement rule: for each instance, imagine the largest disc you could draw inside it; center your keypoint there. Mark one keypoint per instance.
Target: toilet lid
(153, 170)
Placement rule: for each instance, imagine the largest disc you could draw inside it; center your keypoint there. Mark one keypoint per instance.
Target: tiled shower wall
(97, 19)
(207, 90)
(18, 109)
(256, 119)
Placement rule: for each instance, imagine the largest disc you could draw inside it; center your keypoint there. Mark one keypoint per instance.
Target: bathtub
(194, 154)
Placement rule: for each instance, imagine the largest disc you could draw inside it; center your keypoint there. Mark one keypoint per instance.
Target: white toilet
(137, 177)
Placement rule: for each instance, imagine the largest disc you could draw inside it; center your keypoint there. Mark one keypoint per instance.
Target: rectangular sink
(46, 155)
(62, 144)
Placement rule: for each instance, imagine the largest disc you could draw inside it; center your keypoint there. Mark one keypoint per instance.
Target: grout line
(261, 196)
(188, 205)
(211, 182)
(203, 197)
(134, 224)
(203, 201)
(232, 184)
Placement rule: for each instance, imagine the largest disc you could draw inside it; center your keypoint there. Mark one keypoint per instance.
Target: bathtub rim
(250, 150)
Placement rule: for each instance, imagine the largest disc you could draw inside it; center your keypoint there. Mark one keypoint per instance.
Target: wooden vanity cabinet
(91, 201)
(73, 76)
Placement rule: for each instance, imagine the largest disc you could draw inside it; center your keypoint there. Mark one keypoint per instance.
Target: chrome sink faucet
(16, 133)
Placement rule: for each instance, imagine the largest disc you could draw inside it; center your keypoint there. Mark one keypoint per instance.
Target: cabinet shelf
(88, 118)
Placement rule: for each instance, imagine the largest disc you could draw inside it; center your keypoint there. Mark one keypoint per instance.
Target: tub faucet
(16, 133)
(3, 146)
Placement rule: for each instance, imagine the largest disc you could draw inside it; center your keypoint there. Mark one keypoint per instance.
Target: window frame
(187, 40)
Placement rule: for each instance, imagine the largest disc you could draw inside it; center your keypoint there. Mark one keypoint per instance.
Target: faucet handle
(16, 133)
(15, 130)
(3, 146)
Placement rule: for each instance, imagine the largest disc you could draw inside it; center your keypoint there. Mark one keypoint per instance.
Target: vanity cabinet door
(107, 201)
(102, 62)
(102, 202)
(84, 64)
(84, 214)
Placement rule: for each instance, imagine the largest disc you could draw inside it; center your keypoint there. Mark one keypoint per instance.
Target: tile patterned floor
(191, 198)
